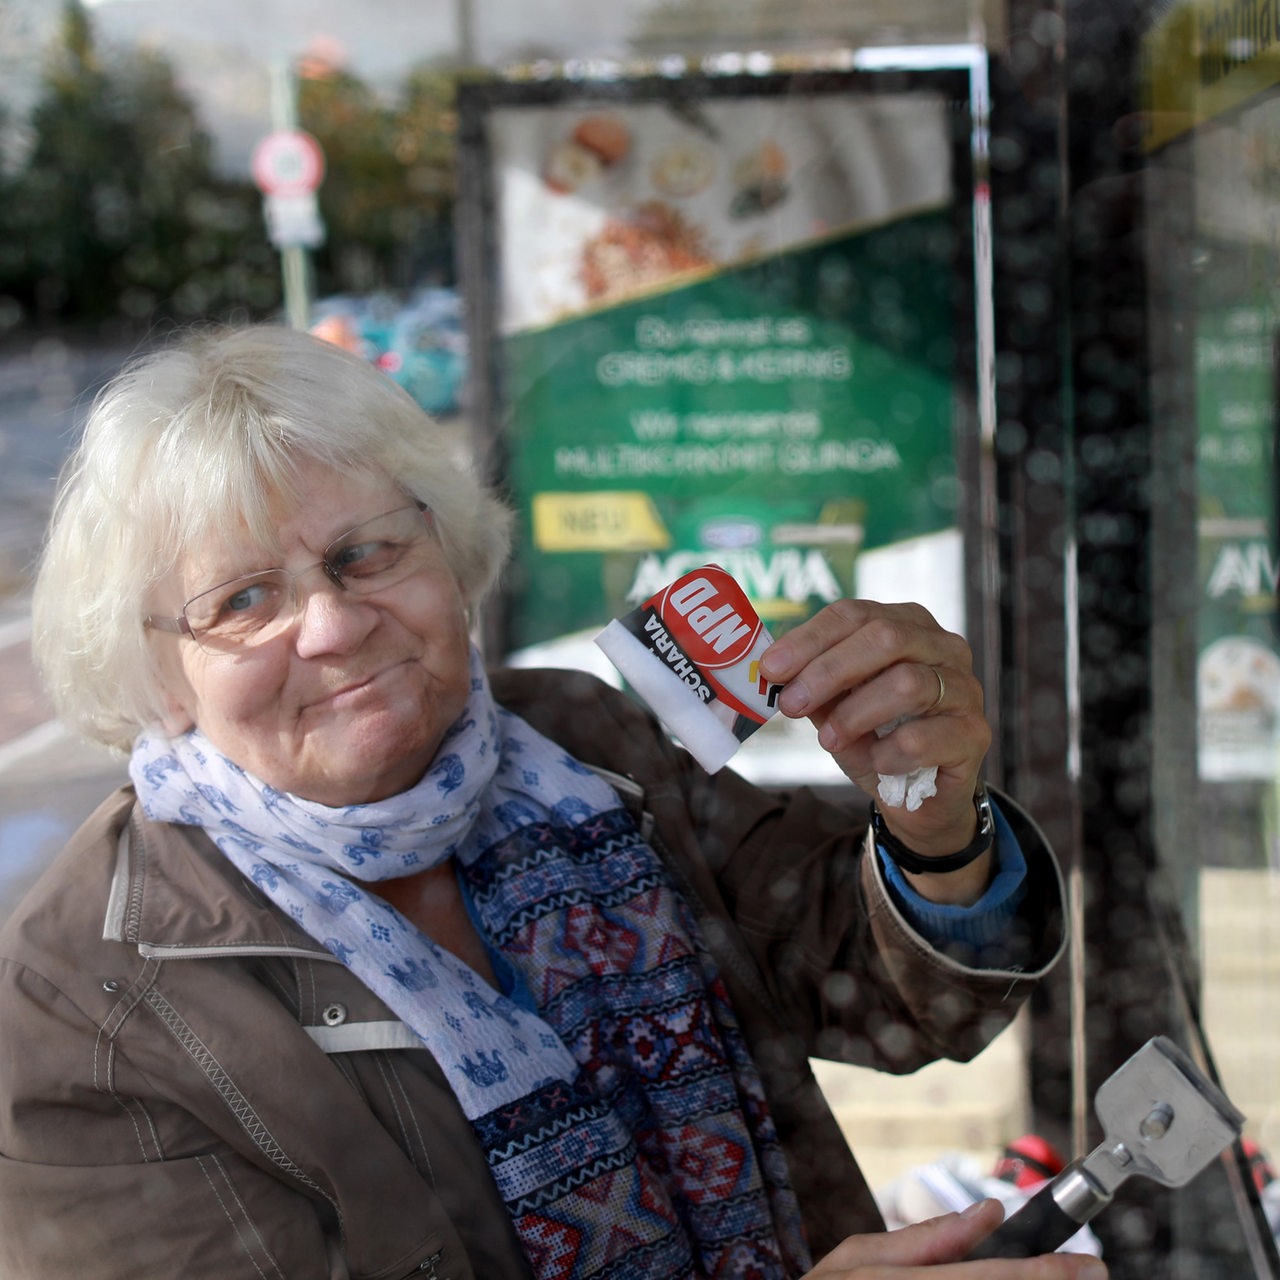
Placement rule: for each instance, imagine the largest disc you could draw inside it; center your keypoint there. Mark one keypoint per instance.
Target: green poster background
(1236, 317)
(777, 418)
(1238, 674)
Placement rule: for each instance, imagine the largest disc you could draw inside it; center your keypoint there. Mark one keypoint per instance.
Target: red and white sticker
(706, 631)
(710, 617)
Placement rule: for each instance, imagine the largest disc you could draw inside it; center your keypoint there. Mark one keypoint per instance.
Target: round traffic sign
(288, 162)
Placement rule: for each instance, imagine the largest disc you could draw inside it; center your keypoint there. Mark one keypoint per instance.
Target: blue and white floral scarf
(612, 1091)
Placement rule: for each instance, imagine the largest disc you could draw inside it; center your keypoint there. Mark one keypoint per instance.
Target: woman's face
(349, 704)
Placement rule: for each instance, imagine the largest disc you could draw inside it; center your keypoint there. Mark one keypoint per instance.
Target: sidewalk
(49, 780)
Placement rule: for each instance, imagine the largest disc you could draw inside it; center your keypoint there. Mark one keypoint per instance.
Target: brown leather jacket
(191, 1087)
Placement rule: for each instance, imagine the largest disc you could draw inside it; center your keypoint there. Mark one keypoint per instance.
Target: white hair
(202, 436)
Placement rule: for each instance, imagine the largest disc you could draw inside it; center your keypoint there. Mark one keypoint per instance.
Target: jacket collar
(174, 895)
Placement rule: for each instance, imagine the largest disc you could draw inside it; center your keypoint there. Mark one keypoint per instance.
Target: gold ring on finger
(942, 689)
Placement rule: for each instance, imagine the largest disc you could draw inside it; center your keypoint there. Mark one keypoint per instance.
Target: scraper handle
(1040, 1226)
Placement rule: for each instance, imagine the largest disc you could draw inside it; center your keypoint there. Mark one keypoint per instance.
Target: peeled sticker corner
(692, 652)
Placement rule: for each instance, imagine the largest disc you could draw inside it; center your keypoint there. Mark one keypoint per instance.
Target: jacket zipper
(426, 1269)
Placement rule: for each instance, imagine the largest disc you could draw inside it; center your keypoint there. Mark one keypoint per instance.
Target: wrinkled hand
(928, 1251)
(857, 665)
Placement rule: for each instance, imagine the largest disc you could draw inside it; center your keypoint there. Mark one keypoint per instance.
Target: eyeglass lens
(370, 557)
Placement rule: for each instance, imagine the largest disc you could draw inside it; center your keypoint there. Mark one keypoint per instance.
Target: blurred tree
(426, 145)
(19, 44)
(387, 197)
(116, 212)
(363, 185)
(112, 209)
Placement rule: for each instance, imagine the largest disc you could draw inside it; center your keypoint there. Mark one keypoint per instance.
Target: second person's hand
(929, 1251)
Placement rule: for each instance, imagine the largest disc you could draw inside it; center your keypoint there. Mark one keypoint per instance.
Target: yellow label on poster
(622, 520)
(1203, 59)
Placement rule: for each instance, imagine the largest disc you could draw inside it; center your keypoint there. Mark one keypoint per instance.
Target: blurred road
(48, 780)
(45, 387)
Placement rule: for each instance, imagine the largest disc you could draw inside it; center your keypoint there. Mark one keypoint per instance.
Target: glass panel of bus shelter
(1212, 83)
(194, 87)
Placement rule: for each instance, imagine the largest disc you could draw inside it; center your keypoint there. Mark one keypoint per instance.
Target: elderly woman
(385, 966)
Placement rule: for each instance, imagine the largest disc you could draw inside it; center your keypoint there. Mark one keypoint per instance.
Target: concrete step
(896, 1123)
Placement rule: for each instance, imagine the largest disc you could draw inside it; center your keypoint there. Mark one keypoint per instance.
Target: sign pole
(295, 277)
(288, 166)
(297, 285)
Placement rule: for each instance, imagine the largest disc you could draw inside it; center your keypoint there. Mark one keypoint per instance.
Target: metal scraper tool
(1163, 1120)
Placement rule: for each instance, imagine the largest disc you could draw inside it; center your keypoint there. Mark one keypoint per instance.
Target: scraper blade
(1163, 1120)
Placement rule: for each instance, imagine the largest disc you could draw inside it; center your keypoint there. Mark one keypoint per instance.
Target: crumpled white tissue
(911, 789)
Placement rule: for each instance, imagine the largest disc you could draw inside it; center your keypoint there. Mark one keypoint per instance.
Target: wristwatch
(917, 863)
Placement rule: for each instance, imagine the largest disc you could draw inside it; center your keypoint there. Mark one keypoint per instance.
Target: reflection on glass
(1214, 238)
(645, 242)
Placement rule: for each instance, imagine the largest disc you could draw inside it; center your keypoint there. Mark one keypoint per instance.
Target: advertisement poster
(1237, 315)
(727, 335)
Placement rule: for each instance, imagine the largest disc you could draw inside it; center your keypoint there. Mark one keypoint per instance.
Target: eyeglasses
(255, 608)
